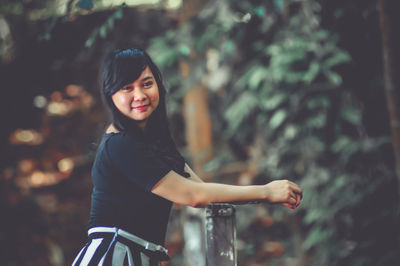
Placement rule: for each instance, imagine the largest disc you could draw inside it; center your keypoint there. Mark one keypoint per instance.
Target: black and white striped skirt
(110, 246)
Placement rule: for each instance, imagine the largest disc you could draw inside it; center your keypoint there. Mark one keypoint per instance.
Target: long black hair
(124, 66)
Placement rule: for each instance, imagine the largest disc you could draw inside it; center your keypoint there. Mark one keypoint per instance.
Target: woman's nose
(138, 95)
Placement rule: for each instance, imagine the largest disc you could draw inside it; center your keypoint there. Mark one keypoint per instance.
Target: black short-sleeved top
(123, 174)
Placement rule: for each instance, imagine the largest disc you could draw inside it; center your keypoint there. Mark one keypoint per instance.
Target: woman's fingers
(298, 199)
(296, 194)
(290, 198)
(297, 189)
(290, 206)
(293, 202)
(285, 192)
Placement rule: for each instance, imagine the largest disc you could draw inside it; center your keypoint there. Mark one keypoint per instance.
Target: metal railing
(210, 236)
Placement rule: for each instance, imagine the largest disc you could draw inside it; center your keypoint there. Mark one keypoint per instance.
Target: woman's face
(139, 99)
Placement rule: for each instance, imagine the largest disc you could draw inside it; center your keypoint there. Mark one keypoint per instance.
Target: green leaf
(351, 115)
(46, 36)
(320, 35)
(278, 5)
(184, 49)
(270, 103)
(278, 118)
(339, 183)
(229, 47)
(316, 236)
(118, 14)
(260, 11)
(313, 215)
(244, 79)
(339, 57)
(257, 76)
(166, 55)
(333, 77)
(319, 102)
(110, 23)
(290, 131)
(312, 72)
(316, 121)
(89, 42)
(103, 31)
(343, 143)
(240, 109)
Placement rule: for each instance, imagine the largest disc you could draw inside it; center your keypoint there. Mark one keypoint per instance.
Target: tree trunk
(390, 90)
(198, 127)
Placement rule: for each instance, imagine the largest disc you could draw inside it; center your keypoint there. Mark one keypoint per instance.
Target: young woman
(138, 172)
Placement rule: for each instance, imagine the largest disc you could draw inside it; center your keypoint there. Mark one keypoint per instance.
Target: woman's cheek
(119, 100)
(155, 100)
(123, 100)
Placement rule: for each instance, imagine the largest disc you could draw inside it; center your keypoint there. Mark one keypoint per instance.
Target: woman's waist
(119, 234)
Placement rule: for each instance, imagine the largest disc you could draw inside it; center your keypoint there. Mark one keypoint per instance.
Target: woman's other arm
(190, 192)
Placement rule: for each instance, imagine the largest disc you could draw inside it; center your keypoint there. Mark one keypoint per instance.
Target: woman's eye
(126, 88)
(148, 84)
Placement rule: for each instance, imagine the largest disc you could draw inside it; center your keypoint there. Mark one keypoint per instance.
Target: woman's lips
(142, 107)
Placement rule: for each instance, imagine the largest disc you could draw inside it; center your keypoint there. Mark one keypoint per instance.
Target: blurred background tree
(283, 89)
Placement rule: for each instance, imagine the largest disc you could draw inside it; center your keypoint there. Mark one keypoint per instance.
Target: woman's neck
(111, 129)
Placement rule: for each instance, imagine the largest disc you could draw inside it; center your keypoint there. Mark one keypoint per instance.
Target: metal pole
(220, 235)
(193, 231)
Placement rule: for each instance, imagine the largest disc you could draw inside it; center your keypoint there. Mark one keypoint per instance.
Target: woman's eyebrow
(147, 78)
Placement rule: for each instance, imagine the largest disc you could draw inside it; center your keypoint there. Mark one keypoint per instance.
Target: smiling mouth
(141, 107)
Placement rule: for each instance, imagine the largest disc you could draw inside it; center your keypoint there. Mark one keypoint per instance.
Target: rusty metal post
(220, 235)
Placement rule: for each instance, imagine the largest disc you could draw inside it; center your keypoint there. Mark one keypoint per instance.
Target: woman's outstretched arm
(190, 192)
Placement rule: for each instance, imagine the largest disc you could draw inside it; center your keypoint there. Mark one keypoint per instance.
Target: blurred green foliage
(103, 30)
(285, 97)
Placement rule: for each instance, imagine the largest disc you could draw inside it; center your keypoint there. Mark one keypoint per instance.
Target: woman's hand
(285, 192)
